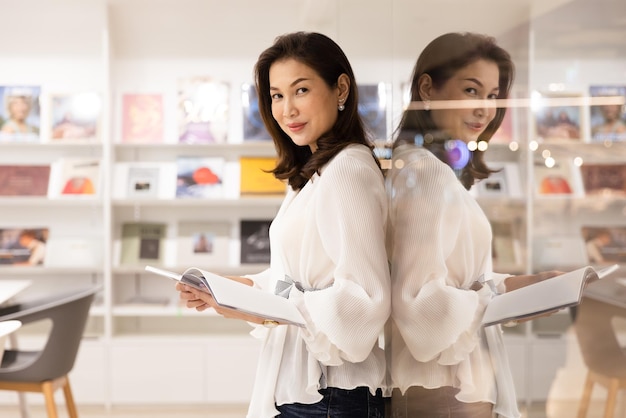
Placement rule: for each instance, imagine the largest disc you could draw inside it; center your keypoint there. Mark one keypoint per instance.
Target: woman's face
(304, 106)
(477, 81)
(19, 108)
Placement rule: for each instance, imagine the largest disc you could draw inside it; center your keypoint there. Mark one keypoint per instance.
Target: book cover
(203, 243)
(24, 180)
(203, 110)
(75, 116)
(142, 118)
(74, 177)
(558, 251)
(605, 244)
(20, 118)
(144, 180)
(232, 294)
(540, 298)
(604, 179)
(74, 251)
(255, 178)
(199, 177)
(142, 242)
(506, 250)
(556, 120)
(608, 121)
(561, 178)
(504, 134)
(253, 127)
(23, 246)
(503, 183)
(255, 241)
(374, 100)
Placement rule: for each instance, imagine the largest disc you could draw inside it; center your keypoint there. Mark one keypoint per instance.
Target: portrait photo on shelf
(561, 178)
(604, 179)
(75, 116)
(144, 180)
(253, 127)
(203, 243)
(605, 244)
(75, 177)
(20, 114)
(200, 177)
(142, 118)
(24, 179)
(203, 110)
(608, 121)
(374, 107)
(558, 116)
(23, 246)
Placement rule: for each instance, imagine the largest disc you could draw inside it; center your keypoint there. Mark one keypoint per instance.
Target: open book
(238, 296)
(546, 296)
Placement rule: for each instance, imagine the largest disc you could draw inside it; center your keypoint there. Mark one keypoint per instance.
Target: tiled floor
(564, 410)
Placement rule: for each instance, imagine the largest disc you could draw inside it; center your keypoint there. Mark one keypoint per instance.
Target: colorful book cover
(253, 127)
(562, 178)
(608, 121)
(255, 178)
(203, 110)
(142, 243)
(556, 120)
(20, 114)
(373, 107)
(23, 246)
(203, 243)
(605, 244)
(24, 180)
(255, 241)
(72, 177)
(75, 116)
(142, 118)
(605, 179)
(199, 177)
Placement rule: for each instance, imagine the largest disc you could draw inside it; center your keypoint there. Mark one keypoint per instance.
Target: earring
(341, 107)
(427, 105)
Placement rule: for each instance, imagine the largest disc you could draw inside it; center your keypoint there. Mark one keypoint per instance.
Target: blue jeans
(338, 403)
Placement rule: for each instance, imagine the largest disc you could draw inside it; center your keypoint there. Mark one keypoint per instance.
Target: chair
(602, 354)
(6, 329)
(46, 370)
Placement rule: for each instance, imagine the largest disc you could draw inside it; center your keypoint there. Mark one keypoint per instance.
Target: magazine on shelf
(238, 296)
(203, 110)
(608, 120)
(24, 180)
(604, 179)
(142, 118)
(543, 297)
(556, 119)
(14, 101)
(256, 179)
(75, 116)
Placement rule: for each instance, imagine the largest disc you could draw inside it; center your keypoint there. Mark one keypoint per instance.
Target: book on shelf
(203, 243)
(542, 297)
(503, 183)
(142, 242)
(557, 120)
(604, 179)
(74, 251)
(75, 177)
(558, 251)
(203, 110)
(232, 294)
(255, 178)
(255, 241)
(144, 180)
(199, 177)
(20, 119)
(373, 106)
(605, 244)
(608, 121)
(75, 116)
(23, 246)
(505, 133)
(253, 127)
(562, 178)
(24, 180)
(505, 245)
(142, 118)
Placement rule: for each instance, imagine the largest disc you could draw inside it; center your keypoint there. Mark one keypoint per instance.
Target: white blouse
(440, 243)
(329, 237)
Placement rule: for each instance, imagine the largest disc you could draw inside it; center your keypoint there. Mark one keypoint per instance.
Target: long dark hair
(297, 164)
(441, 59)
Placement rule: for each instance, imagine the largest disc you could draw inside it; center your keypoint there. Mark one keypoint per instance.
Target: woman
(327, 241)
(443, 364)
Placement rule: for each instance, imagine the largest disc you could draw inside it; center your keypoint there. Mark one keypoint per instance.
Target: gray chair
(602, 354)
(46, 370)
